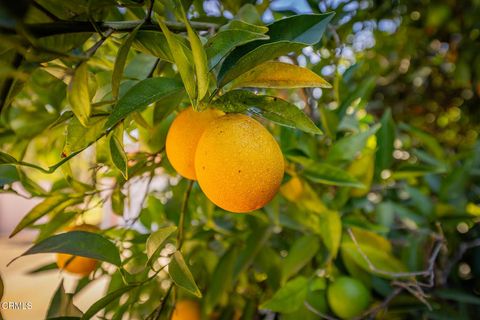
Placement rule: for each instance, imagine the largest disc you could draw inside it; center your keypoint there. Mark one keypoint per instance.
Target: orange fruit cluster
(237, 162)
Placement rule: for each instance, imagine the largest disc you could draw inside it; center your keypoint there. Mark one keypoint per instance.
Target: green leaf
(153, 43)
(183, 59)
(287, 35)
(331, 226)
(244, 26)
(78, 243)
(141, 95)
(385, 140)
(221, 44)
(47, 267)
(181, 275)
(56, 222)
(120, 61)
(119, 158)
(272, 108)
(288, 298)
(199, 59)
(428, 140)
(274, 74)
(457, 295)
(5, 158)
(301, 252)
(62, 305)
(78, 94)
(1, 287)
(118, 201)
(106, 300)
(346, 149)
(325, 173)
(79, 137)
(52, 205)
(156, 240)
(221, 281)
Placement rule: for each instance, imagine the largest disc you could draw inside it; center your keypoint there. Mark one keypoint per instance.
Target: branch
(426, 273)
(65, 27)
(462, 248)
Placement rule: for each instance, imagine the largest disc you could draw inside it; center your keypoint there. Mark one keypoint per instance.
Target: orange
(186, 310)
(239, 164)
(75, 264)
(348, 297)
(183, 136)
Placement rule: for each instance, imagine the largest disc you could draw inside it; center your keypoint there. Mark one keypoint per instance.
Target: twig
(372, 312)
(91, 51)
(45, 11)
(318, 313)
(427, 272)
(181, 221)
(462, 249)
(148, 18)
(65, 27)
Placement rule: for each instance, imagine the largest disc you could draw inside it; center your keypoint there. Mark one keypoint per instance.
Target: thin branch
(91, 51)
(372, 312)
(65, 27)
(426, 273)
(462, 249)
(183, 210)
(318, 313)
(45, 11)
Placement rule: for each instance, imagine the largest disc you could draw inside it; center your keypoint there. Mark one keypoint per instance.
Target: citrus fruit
(75, 264)
(186, 310)
(183, 136)
(239, 164)
(348, 297)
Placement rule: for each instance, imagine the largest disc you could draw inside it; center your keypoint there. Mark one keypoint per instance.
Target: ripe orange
(186, 310)
(183, 136)
(239, 164)
(75, 264)
(348, 297)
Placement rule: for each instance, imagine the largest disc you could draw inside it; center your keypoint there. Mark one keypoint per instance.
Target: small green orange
(348, 297)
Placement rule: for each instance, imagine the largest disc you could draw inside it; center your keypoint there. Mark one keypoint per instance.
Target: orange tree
(345, 208)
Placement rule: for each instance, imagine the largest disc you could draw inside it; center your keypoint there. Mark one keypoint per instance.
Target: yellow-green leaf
(119, 158)
(78, 94)
(274, 74)
(181, 275)
(121, 60)
(199, 58)
(183, 59)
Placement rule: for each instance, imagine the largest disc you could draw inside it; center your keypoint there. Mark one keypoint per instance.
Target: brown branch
(66, 26)
(462, 249)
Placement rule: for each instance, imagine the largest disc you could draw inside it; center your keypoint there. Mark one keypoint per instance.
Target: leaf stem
(181, 222)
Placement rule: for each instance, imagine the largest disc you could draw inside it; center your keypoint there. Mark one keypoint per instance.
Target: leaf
(274, 74)
(457, 295)
(78, 137)
(55, 223)
(106, 300)
(153, 43)
(5, 158)
(141, 95)
(272, 108)
(331, 226)
(287, 35)
(1, 287)
(346, 149)
(62, 305)
(181, 275)
(325, 173)
(118, 201)
(156, 240)
(301, 252)
(430, 142)
(181, 56)
(119, 158)
(120, 61)
(221, 280)
(244, 26)
(385, 140)
(78, 243)
(78, 94)
(288, 298)
(199, 59)
(221, 44)
(52, 205)
(47, 267)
